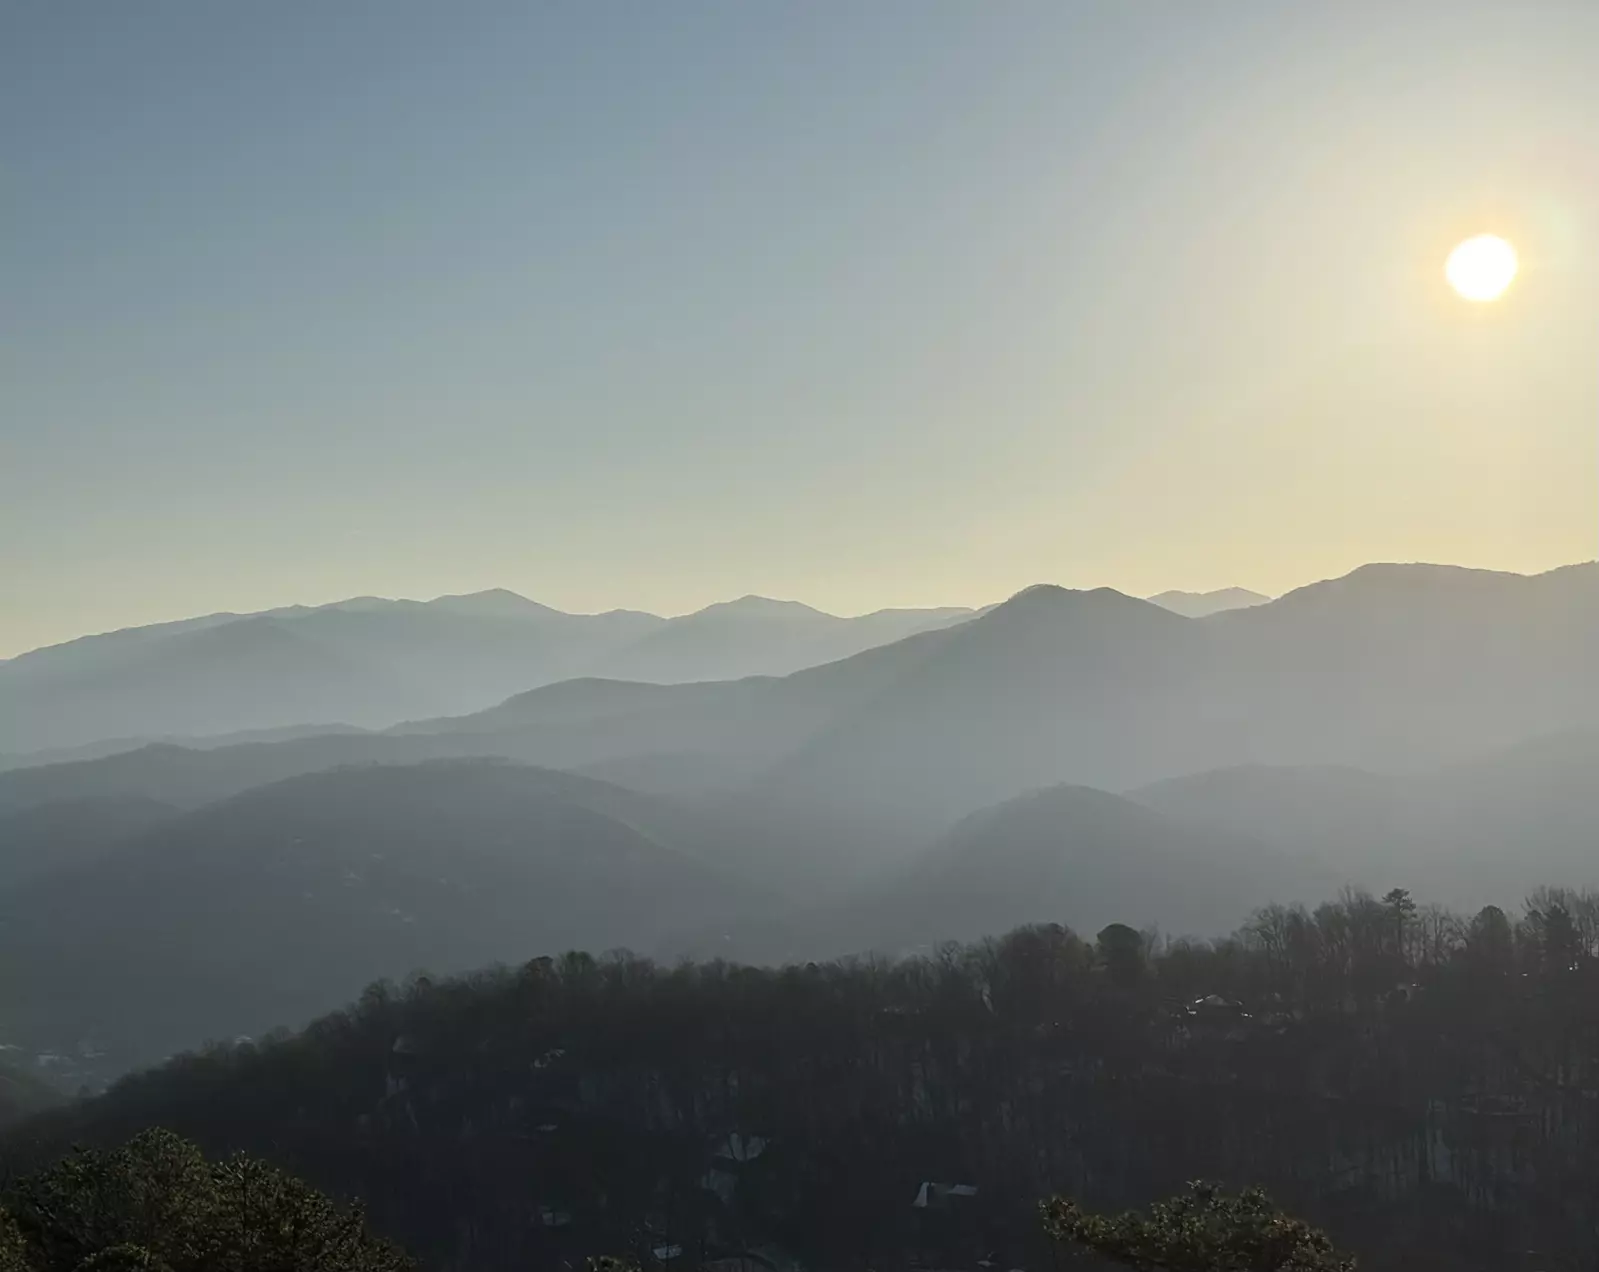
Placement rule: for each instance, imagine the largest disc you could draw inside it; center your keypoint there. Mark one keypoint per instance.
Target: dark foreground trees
(1202, 1230)
(157, 1204)
(1423, 1085)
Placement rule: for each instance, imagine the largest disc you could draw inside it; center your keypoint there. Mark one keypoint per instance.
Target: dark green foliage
(1401, 910)
(1202, 1230)
(1553, 933)
(1491, 941)
(157, 1205)
(1425, 1113)
(123, 1258)
(1121, 950)
(13, 1252)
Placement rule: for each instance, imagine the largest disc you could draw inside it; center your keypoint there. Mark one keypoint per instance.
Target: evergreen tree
(157, 1205)
(1122, 952)
(13, 1253)
(1201, 1230)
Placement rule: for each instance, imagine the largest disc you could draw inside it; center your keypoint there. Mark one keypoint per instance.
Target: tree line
(1421, 1084)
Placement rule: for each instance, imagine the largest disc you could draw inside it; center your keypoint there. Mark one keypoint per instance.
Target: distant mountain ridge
(1388, 667)
(1419, 726)
(1203, 604)
(303, 891)
(370, 662)
(1464, 834)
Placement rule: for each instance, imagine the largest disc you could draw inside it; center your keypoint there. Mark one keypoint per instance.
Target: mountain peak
(1040, 592)
(759, 607)
(496, 602)
(1386, 580)
(1380, 572)
(1052, 597)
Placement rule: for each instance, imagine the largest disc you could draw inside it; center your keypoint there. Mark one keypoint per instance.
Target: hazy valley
(799, 638)
(851, 860)
(1074, 757)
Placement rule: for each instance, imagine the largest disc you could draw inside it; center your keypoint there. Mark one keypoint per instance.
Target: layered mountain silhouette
(1066, 854)
(1203, 604)
(1079, 856)
(1392, 667)
(370, 662)
(269, 907)
(1421, 726)
(1054, 685)
(755, 636)
(1467, 834)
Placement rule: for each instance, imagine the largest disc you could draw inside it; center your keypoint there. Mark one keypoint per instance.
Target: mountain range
(379, 871)
(370, 662)
(1390, 668)
(1066, 755)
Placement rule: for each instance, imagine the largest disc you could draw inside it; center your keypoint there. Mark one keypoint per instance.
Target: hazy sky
(862, 304)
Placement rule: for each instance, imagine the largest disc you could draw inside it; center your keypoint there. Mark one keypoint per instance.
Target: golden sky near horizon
(911, 305)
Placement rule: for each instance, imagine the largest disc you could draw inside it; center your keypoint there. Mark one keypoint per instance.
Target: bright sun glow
(1481, 268)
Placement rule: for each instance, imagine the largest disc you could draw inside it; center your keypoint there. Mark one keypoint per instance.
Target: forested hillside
(1419, 1082)
(300, 892)
(716, 637)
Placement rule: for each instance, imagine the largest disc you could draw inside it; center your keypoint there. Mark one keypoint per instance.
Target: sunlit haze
(705, 636)
(892, 304)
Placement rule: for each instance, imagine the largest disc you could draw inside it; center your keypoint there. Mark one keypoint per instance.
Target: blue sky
(892, 303)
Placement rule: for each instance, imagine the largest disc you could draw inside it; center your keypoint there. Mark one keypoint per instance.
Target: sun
(1481, 268)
